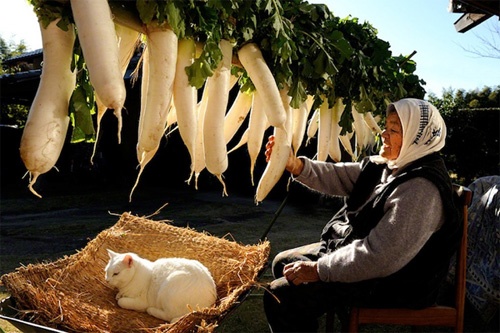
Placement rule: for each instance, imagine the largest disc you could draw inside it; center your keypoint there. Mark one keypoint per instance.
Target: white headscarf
(424, 132)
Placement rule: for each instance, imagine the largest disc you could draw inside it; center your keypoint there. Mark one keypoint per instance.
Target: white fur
(167, 288)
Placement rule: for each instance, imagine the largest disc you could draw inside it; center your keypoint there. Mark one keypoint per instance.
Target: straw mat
(72, 294)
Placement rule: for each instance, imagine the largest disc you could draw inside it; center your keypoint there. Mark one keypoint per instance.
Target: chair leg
(353, 320)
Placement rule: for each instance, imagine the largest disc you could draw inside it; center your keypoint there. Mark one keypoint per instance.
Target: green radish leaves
(306, 47)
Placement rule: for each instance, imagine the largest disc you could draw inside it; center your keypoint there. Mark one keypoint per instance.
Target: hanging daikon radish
(47, 124)
(184, 97)
(360, 130)
(345, 140)
(97, 36)
(162, 53)
(236, 114)
(281, 152)
(128, 40)
(101, 110)
(300, 116)
(144, 93)
(334, 148)
(312, 127)
(199, 156)
(324, 130)
(243, 141)
(371, 122)
(213, 124)
(252, 60)
(172, 116)
(256, 129)
(232, 80)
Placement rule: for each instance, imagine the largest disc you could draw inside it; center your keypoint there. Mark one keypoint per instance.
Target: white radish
(162, 53)
(184, 97)
(236, 114)
(361, 131)
(254, 63)
(144, 93)
(47, 124)
(256, 129)
(281, 152)
(345, 140)
(213, 124)
(300, 116)
(324, 130)
(312, 127)
(334, 149)
(172, 116)
(243, 141)
(128, 40)
(199, 157)
(371, 122)
(96, 32)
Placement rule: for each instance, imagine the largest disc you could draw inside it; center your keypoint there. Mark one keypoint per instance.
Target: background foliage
(11, 114)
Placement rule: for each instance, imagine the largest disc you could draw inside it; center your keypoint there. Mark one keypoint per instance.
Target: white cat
(166, 288)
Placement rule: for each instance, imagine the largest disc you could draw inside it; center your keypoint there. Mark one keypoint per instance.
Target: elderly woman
(391, 243)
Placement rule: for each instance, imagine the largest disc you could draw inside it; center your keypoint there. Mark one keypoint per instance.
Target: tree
(490, 46)
(11, 114)
(9, 50)
(472, 118)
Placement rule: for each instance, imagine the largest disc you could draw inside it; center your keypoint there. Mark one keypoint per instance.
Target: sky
(424, 26)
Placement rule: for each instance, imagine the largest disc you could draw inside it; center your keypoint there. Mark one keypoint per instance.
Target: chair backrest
(463, 199)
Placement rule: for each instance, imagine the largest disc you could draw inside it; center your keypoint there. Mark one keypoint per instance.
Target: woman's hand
(294, 165)
(301, 272)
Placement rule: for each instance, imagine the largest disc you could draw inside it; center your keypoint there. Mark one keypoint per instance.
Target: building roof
(474, 12)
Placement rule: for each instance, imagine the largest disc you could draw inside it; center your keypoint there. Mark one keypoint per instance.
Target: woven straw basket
(71, 293)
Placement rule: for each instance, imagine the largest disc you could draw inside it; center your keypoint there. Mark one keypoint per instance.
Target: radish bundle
(326, 64)
(45, 131)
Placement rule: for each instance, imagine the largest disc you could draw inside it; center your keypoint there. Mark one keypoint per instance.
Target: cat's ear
(128, 260)
(111, 254)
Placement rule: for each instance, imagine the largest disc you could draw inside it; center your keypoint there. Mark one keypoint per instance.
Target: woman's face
(392, 137)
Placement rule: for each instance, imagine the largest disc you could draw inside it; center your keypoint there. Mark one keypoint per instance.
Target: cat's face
(120, 269)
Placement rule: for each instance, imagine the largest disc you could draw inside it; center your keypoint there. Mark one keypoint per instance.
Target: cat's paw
(118, 296)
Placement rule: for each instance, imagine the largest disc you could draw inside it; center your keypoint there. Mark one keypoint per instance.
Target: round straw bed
(71, 293)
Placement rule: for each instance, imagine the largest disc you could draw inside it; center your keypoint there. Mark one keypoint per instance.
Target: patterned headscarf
(424, 132)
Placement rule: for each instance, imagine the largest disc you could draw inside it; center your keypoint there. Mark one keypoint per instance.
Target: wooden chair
(439, 315)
